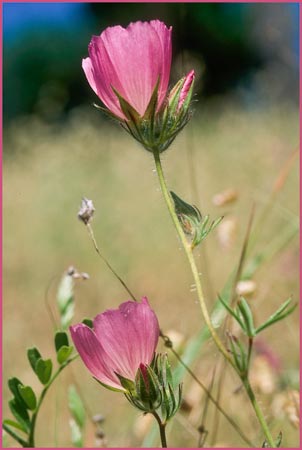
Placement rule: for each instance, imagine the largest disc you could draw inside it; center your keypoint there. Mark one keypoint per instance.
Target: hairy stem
(162, 429)
(189, 253)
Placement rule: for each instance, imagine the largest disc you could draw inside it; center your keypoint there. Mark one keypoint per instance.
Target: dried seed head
(86, 210)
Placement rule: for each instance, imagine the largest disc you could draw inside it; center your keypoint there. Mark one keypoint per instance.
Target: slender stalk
(91, 234)
(162, 429)
(259, 414)
(31, 438)
(189, 253)
(249, 353)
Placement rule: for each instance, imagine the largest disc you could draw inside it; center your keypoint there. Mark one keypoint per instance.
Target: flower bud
(186, 91)
(146, 394)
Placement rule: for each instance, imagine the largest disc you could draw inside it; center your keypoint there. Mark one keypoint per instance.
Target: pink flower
(130, 60)
(121, 341)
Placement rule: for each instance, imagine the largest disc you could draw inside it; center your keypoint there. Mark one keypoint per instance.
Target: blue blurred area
(20, 18)
(248, 48)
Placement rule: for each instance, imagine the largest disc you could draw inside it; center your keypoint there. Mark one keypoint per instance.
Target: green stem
(259, 414)
(249, 353)
(190, 256)
(162, 429)
(31, 439)
(189, 253)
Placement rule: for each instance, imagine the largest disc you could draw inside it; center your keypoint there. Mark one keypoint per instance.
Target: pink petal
(185, 89)
(130, 60)
(164, 35)
(94, 356)
(129, 335)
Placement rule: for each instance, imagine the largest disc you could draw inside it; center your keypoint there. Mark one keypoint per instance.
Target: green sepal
(61, 339)
(28, 396)
(76, 407)
(109, 387)
(151, 108)
(127, 109)
(43, 370)
(280, 314)
(148, 388)
(20, 413)
(17, 425)
(110, 114)
(247, 317)
(126, 383)
(88, 322)
(33, 356)
(174, 96)
(171, 398)
(64, 353)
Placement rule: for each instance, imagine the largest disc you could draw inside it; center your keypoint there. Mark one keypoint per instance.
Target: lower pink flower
(121, 340)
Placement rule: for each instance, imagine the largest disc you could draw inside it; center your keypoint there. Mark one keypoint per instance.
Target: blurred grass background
(58, 148)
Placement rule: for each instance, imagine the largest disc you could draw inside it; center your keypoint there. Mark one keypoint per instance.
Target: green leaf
(76, 407)
(33, 356)
(233, 313)
(43, 370)
(64, 353)
(247, 317)
(181, 207)
(14, 424)
(88, 322)
(61, 339)
(280, 314)
(20, 413)
(13, 384)
(76, 434)
(28, 396)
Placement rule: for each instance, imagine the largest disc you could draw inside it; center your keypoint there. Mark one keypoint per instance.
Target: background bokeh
(243, 135)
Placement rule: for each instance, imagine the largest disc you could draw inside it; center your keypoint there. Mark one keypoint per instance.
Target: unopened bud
(86, 210)
(186, 90)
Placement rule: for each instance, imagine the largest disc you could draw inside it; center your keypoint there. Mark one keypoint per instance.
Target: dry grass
(47, 171)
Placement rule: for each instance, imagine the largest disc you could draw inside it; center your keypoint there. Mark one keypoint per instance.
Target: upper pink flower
(130, 60)
(121, 340)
